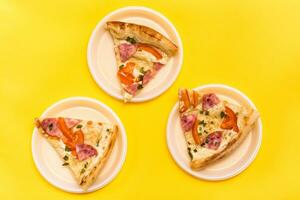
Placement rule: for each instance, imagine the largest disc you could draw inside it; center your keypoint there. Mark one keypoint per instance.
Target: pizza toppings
(187, 122)
(147, 77)
(61, 128)
(230, 121)
(64, 129)
(195, 101)
(132, 88)
(157, 66)
(195, 132)
(209, 100)
(70, 122)
(126, 51)
(49, 125)
(85, 151)
(150, 49)
(130, 40)
(125, 74)
(184, 97)
(213, 140)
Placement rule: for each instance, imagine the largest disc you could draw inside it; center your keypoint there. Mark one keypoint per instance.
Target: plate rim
(92, 68)
(39, 166)
(236, 172)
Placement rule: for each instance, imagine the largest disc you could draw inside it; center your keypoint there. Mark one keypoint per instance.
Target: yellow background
(252, 45)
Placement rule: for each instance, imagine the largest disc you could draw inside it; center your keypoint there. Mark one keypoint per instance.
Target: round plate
(232, 164)
(101, 56)
(47, 160)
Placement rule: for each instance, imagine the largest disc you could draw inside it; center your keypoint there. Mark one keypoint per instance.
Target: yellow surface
(252, 45)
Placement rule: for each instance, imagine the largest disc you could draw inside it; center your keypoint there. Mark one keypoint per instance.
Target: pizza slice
(212, 125)
(82, 145)
(140, 53)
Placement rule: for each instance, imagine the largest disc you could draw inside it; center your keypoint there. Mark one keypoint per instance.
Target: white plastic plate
(228, 166)
(101, 56)
(47, 160)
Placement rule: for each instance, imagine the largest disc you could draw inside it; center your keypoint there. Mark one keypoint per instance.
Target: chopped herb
(206, 112)
(202, 144)
(142, 70)
(97, 144)
(202, 123)
(140, 77)
(189, 151)
(50, 127)
(67, 148)
(237, 113)
(82, 171)
(121, 66)
(201, 111)
(79, 126)
(131, 40)
(211, 122)
(85, 165)
(188, 142)
(195, 150)
(205, 131)
(107, 130)
(222, 114)
(65, 164)
(66, 158)
(140, 86)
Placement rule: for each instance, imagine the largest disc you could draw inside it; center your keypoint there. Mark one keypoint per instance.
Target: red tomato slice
(230, 122)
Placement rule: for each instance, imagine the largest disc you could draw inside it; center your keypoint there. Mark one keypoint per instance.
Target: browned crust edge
(87, 180)
(143, 34)
(250, 122)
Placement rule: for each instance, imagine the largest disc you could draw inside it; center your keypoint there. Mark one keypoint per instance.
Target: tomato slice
(195, 132)
(64, 129)
(150, 49)
(230, 121)
(125, 74)
(195, 99)
(69, 143)
(78, 137)
(185, 98)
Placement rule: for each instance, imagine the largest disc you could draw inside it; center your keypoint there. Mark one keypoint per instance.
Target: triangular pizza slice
(212, 125)
(82, 145)
(140, 53)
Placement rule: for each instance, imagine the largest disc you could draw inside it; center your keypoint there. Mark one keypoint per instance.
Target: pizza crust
(142, 34)
(87, 180)
(233, 144)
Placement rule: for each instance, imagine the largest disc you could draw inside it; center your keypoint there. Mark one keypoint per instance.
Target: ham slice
(187, 122)
(49, 125)
(209, 101)
(157, 66)
(150, 74)
(85, 151)
(147, 77)
(70, 122)
(126, 51)
(132, 89)
(213, 140)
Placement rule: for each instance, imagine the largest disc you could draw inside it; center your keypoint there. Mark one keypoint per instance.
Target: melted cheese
(210, 122)
(96, 135)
